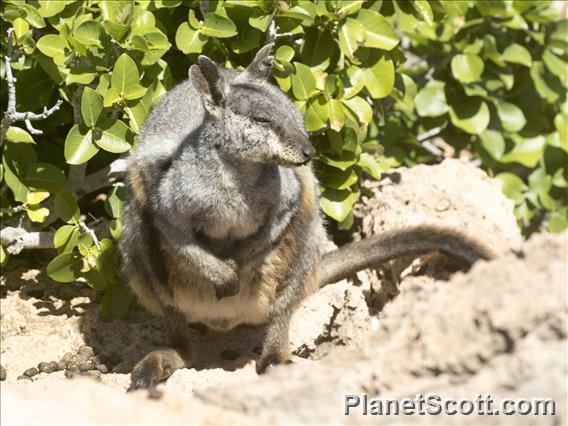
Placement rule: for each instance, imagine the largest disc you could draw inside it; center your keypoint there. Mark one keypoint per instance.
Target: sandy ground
(499, 329)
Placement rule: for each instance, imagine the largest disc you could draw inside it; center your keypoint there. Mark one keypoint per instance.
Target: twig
(12, 210)
(11, 114)
(89, 231)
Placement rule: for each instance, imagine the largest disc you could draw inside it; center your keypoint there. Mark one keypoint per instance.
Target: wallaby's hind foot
(160, 364)
(271, 360)
(155, 367)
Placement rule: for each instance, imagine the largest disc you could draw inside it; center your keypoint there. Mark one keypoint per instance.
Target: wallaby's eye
(261, 120)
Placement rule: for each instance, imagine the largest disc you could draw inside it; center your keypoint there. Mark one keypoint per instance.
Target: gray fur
(223, 225)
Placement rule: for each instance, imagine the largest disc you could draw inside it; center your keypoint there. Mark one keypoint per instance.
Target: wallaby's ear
(207, 81)
(261, 66)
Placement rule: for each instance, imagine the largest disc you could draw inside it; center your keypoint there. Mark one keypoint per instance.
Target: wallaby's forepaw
(154, 368)
(271, 360)
(227, 290)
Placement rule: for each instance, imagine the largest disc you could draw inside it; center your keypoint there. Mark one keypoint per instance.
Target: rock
(86, 366)
(102, 368)
(2, 373)
(86, 353)
(30, 372)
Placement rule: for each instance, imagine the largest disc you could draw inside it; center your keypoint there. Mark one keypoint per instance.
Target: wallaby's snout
(296, 149)
(308, 151)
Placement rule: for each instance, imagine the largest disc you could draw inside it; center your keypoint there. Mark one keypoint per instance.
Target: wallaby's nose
(308, 152)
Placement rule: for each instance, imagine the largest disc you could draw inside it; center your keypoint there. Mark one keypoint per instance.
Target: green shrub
(486, 76)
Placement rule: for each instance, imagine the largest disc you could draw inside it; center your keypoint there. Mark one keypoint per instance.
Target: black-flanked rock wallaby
(222, 225)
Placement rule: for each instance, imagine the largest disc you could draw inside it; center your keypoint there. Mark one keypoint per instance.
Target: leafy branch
(11, 114)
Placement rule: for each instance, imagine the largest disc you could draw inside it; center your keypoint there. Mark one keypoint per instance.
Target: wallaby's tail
(372, 252)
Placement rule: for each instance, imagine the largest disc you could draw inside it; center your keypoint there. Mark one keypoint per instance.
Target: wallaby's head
(258, 120)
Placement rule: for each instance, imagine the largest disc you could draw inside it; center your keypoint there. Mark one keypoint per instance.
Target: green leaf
(49, 8)
(556, 66)
(351, 34)
(343, 164)
(79, 146)
(111, 135)
(368, 163)
(66, 207)
(218, 26)
(360, 108)
(89, 33)
(517, 54)
(423, 7)
(36, 197)
(66, 238)
(20, 27)
(116, 301)
(337, 204)
(46, 177)
(379, 33)
(493, 142)
(52, 45)
(114, 204)
(64, 268)
(189, 40)
(431, 100)
(543, 84)
(511, 185)
(336, 115)
(317, 114)
(15, 134)
(511, 116)
(3, 256)
(558, 222)
(37, 214)
(470, 114)
(303, 82)
(467, 68)
(91, 106)
(337, 179)
(125, 74)
(259, 20)
(527, 151)
(284, 54)
(561, 124)
(379, 77)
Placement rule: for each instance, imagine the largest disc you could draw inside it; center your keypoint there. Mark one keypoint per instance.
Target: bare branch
(17, 239)
(103, 178)
(11, 114)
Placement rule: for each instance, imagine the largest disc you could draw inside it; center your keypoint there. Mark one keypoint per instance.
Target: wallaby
(223, 227)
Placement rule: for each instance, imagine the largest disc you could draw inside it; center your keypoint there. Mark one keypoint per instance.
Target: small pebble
(86, 366)
(102, 368)
(52, 366)
(60, 365)
(72, 372)
(155, 393)
(30, 372)
(42, 366)
(86, 352)
(67, 357)
(2, 373)
(24, 378)
(71, 365)
(94, 374)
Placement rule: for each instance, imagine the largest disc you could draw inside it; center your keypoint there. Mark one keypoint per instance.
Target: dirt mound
(498, 329)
